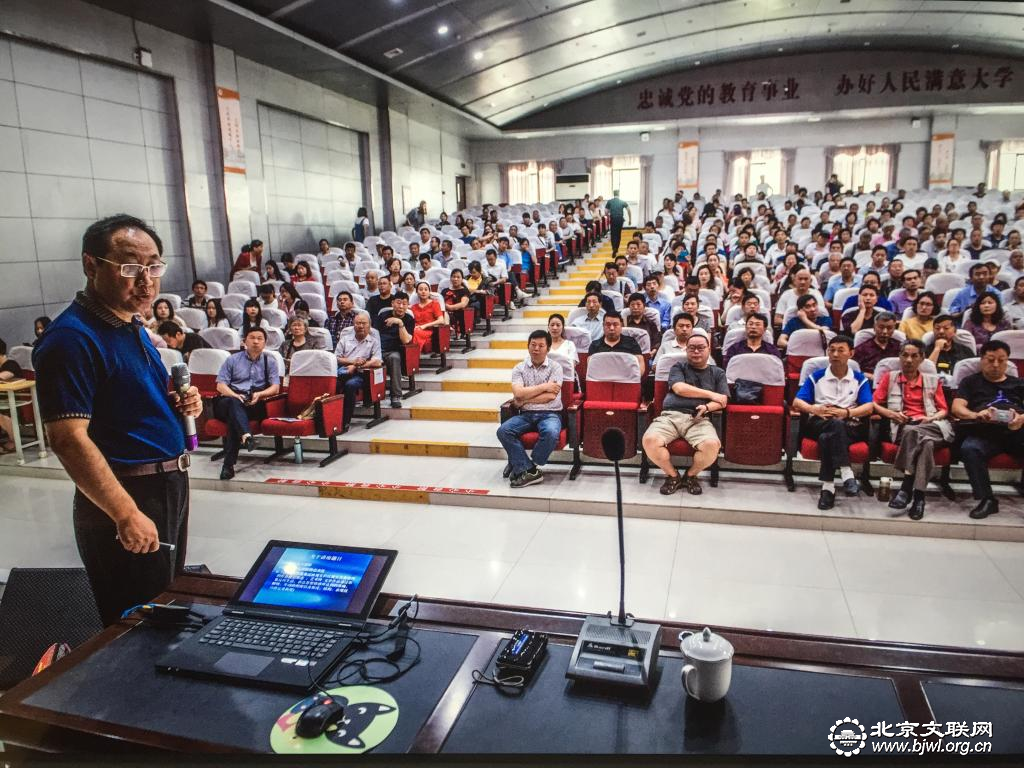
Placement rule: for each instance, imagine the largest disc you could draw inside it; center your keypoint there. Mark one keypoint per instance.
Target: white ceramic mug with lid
(707, 671)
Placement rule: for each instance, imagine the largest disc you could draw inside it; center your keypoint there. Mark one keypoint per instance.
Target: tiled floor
(872, 586)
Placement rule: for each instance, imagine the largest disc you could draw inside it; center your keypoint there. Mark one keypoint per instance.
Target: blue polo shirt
(92, 365)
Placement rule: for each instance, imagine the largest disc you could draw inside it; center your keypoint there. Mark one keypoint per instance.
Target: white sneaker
(512, 305)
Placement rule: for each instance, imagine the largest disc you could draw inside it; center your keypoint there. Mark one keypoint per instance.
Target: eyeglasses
(136, 270)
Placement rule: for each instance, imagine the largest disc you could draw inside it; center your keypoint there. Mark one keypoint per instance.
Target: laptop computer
(294, 614)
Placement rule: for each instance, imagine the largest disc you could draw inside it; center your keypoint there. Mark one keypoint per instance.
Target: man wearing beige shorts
(696, 390)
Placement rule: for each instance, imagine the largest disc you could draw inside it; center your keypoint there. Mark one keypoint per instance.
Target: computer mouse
(315, 721)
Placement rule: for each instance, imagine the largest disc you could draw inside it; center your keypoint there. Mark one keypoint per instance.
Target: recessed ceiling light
(867, 43)
(813, 119)
(956, 45)
(696, 63)
(577, 21)
(478, 55)
(490, 103)
(443, 29)
(781, 50)
(617, 82)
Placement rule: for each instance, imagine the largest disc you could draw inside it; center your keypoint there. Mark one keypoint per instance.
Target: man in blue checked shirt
(835, 399)
(654, 299)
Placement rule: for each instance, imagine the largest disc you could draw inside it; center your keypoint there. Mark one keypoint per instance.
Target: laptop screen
(292, 576)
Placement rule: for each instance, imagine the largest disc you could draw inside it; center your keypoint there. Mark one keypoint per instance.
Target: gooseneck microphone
(613, 443)
(182, 381)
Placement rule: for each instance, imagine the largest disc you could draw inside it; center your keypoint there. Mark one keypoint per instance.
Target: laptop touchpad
(245, 664)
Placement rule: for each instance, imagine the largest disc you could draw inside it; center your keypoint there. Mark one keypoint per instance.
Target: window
(749, 170)
(531, 182)
(1006, 164)
(864, 168)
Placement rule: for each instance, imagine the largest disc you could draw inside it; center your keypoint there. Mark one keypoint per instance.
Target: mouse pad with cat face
(369, 717)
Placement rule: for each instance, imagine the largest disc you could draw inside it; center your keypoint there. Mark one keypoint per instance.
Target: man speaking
(103, 394)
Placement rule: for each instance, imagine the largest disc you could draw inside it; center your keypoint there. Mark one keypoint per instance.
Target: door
(460, 193)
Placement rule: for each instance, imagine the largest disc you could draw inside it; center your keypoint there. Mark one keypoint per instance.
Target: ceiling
(503, 59)
(500, 60)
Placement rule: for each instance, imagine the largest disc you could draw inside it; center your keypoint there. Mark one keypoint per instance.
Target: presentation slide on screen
(320, 580)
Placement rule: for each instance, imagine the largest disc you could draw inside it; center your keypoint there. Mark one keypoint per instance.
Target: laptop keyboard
(296, 640)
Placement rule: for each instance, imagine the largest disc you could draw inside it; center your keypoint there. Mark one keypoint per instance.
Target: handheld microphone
(182, 381)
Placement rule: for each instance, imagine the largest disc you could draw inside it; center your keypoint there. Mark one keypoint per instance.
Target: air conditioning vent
(393, 53)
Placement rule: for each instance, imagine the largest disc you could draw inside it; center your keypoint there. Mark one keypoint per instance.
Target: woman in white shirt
(215, 317)
(949, 260)
(561, 346)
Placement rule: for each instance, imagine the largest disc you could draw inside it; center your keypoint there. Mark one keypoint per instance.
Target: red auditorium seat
(653, 409)
(311, 381)
(613, 401)
(569, 436)
(754, 434)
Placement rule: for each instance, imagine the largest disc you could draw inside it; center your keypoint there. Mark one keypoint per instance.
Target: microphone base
(609, 653)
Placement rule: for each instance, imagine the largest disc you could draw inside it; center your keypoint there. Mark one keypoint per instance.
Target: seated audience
(301, 309)
(428, 314)
(303, 274)
(636, 318)
(1014, 308)
(561, 346)
(357, 353)
(267, 295)
(593, 321)
(980, 282)
(916, 408)
(882, 344)
(753, 342)
(456, 298)
(835, 399)
(985, 318)
(866, 313)
(175, 338)
(537, 393)
(343, 317)
(252, 317)
(286, 298)
(904, 298)
(39, 325)
(607, 304)
(298, 339)
(806, 317)
(383, 298)
(990, 407)
(215, 317)
(9, 370)
(395, 324)
(198, 298)
(697, 388)
(682, 327)
(244, 382)
(922, 320)
(612, 340)
(163, 312)
(945, 351)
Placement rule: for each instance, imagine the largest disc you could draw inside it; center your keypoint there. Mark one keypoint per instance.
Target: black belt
(179, 464)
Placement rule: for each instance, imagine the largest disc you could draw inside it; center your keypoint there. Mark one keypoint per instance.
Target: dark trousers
(118, 578)
(616, 234)
(977, 449)
(350, 384)
(393, 362)
(834, 436)
(237, 417)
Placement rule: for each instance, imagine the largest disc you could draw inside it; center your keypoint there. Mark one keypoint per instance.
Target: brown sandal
(671, 485)
(693, 486)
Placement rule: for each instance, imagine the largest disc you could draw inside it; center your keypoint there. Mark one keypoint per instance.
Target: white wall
(808, 139)
(426, 160)
(89, 30)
